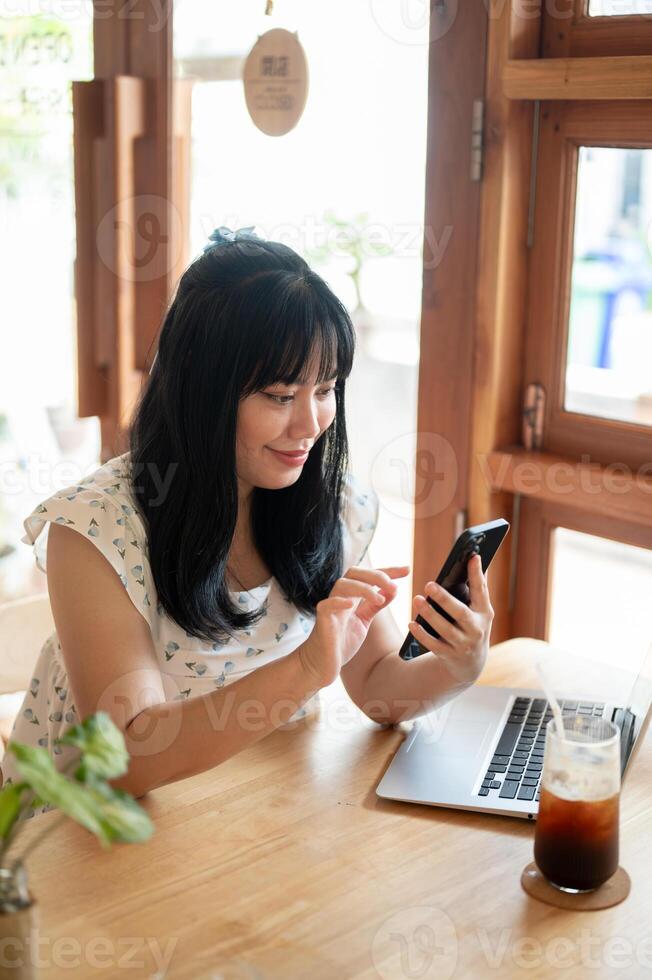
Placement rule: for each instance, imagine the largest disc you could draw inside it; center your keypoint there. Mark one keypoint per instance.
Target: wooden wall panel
(448, 305)
(501, 293)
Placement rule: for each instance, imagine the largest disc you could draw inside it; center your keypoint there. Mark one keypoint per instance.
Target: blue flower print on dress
(283, 628)
(170, 650)
(103, 503)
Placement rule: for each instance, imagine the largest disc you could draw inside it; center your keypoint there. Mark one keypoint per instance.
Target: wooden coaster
(614, 891)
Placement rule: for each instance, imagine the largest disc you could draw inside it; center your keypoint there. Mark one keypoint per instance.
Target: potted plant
(350, 237)
(81, 792)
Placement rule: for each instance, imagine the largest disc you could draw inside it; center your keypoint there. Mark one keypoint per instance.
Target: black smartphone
(483, 540)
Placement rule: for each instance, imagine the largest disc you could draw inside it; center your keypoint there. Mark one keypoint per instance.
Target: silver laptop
(484, 750)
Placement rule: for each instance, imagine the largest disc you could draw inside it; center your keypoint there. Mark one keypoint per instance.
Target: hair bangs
(311, 330)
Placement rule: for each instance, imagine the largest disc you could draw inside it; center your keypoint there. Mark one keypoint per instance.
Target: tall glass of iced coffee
(576, 839)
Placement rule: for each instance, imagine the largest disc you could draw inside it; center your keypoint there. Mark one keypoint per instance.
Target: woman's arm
(111, 664)
(389, 689)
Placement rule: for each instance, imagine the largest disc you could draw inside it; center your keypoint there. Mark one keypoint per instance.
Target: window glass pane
(42, 445)
(608, 371)
(619, 8)
(600, 598)
(358, 151)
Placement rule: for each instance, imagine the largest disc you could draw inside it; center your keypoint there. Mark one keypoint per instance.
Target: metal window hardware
(477, 138)
(534, 407)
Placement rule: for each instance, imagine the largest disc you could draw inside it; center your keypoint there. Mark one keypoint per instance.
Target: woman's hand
(343, 619)
(464, 644)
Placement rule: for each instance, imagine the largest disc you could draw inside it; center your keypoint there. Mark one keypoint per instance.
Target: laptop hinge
(625, 720)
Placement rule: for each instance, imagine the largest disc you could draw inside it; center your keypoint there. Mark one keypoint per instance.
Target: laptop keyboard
(515, 770)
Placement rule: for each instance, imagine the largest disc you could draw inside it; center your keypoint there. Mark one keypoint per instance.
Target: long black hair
(246, 314)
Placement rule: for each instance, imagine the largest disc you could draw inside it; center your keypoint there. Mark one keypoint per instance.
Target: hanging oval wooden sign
(275, 80)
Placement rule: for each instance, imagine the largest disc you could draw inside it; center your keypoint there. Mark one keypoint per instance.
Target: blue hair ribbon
(223, 234)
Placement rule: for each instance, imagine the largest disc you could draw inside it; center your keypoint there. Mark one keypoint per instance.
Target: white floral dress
(102, 509)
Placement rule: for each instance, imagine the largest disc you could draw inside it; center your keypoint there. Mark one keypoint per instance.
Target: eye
(279, 399)
(284, 399)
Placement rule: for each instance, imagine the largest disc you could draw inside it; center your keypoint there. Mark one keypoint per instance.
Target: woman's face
(280, 418)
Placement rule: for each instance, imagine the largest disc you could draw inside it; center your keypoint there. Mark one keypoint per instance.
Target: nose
(304, 423)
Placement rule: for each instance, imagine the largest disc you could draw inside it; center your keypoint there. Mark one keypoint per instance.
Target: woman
(216, 582)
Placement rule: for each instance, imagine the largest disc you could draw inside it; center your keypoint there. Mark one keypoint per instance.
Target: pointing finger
(478, 586)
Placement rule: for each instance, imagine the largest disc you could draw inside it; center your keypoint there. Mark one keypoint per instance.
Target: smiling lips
(293, 458)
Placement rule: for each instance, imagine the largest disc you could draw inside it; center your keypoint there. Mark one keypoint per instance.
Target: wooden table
(283, 863)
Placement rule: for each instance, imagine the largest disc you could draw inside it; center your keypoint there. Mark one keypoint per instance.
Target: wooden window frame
(569, 32)
(131, 153)
(565, 126)
(538, 520)
(523, 68)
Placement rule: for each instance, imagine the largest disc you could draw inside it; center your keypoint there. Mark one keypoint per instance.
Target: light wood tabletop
(283, 863)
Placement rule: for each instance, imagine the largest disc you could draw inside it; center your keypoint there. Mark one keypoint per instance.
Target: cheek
(257, 425)
(327, 416)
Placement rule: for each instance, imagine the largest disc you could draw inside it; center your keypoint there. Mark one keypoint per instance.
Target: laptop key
(500, 759)
(508, 792)
(483, 791)
(507, 739)
(530, 780)
(526, 793)
(494, 785)
(500, 768)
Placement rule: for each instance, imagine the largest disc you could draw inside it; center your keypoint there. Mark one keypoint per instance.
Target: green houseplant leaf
(128, 821)
(9, 806)
(102, 744)
(80, 792)
(37, 768)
